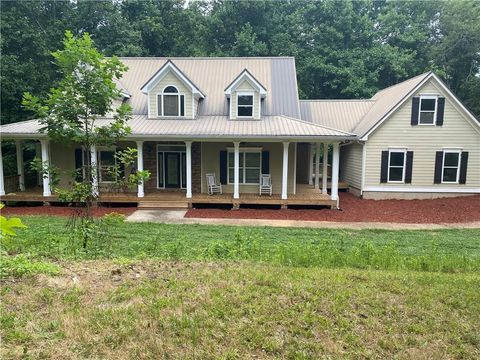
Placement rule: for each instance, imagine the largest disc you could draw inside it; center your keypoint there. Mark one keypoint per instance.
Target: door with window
(172, 170)
(171, 167)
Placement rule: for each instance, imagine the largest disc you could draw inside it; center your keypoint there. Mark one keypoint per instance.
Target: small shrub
(25, 265)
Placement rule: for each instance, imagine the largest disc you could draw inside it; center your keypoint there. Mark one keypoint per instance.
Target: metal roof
(213, 75)
(204, 127)
(340, 114)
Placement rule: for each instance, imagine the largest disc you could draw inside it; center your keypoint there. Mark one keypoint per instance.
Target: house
(239, 118)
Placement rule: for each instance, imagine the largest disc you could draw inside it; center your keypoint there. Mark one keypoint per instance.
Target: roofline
(364, 136)
(318, 125)
(337, 100)
(262, 88)
(180, 72)
(203, 57)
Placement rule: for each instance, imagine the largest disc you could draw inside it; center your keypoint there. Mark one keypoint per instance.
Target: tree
(70, 112)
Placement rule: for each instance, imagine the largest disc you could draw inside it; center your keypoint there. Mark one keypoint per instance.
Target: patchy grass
(455, 250)
(229, 310)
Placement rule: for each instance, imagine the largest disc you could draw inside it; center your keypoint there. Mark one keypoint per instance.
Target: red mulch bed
(353, 209)
(62, 210)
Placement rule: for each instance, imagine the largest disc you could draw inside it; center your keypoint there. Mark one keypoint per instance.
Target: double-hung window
(428, 110)
(170, 102)
(106, 163)
(244, 105)
(451, 166)
(250, 167)
(396, 165)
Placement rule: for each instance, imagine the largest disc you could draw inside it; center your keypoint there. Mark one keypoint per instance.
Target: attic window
(428, 109)
(245, 105)
(170, 102)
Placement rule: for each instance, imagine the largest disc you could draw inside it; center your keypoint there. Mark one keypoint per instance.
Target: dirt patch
(353, 209)
(63, 210)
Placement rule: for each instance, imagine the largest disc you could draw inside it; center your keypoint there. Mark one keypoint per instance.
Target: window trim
(181, 150)
(452, 151)
(246, 93)
(178, 94)
(244, 168)
(428, 97)
(404, 152)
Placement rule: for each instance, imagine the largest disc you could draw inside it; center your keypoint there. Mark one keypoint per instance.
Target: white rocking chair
(213, 187)
(265, 184)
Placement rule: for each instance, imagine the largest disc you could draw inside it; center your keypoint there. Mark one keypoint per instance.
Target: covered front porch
(299, 177)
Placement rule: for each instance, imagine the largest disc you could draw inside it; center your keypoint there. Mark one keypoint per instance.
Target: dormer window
(170, 102)
(428, 110)
(244, 105)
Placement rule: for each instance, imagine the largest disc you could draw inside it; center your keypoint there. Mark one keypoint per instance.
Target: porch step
(163, 204)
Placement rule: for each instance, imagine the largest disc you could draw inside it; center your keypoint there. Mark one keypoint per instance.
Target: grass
(215, 292)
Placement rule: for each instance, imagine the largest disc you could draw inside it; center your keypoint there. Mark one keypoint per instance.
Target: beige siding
(211, 164)
(63, 157)
(351, 164)
(170, 79)
(245, 86)
(457, 132)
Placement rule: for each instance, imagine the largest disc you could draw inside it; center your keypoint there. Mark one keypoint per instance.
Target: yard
(193, 291)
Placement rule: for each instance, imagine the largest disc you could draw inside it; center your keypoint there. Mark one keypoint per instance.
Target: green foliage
(25, 265)
(125, 178)
(46, 170)
(8, 226)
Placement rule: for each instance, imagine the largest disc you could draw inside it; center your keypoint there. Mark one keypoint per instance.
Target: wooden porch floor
(306, 195)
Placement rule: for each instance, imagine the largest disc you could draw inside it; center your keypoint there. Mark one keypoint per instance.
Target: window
(250, 166)
(396, 166)
(106, 163)
(428, 110)
(170, 102)
(244, 105)
(451, 166)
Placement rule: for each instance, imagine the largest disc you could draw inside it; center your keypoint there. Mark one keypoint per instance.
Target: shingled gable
(170, 66)
(246, 75)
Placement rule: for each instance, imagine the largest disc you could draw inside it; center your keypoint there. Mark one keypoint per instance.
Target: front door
(172, 169)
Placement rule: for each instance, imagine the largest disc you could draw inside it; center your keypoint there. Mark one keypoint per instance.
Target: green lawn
(189, 291)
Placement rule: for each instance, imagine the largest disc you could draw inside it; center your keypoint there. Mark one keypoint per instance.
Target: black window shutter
(265, 162)
(159, 105)
(182, 105)
(438, 167)
(415, 109)
(440, 110)
(463, 168)
(409, 167)
(78, 164)
(384, 169)
(223, 167)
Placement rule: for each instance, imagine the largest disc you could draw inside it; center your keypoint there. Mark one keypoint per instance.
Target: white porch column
(20, 166)
(141, 192)
(94, 169)
(317, 167)
(236, 171)
(335, 167)
(45, 162)
(285, 171)
(325, 169)
(188, 157)
(2, 182)
(310, 163)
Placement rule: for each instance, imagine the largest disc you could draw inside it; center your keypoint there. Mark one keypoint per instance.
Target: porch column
(285, 171)
(2, 182)
(45, 165)
(310, 163)
(317, 167)
(141, 192)
(94, 170)
(236, 171)
(20, 166)
(188, 156)
(335, 167)
(325, 169)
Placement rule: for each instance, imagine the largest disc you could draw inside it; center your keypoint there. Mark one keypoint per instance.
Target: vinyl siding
(170, 79)
(351, 164)
(244, 86)
(211, 164)
(457, 132)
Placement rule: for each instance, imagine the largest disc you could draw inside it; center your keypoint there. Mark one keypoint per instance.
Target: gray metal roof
(275, 126)
(339, 114)
(214, 74)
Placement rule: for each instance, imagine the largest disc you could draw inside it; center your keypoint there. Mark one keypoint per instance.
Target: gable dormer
(171, 94)
(245, 94)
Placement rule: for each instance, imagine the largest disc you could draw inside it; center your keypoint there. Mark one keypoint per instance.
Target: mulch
(62, 210)
(353, 209)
